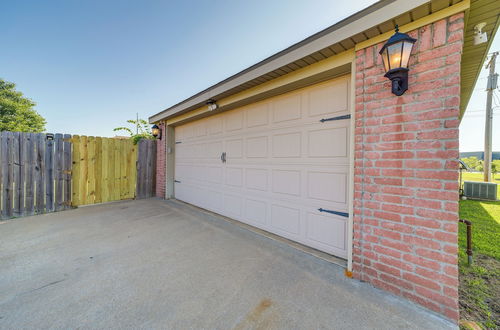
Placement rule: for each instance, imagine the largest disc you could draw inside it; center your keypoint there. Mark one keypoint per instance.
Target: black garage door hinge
(336, 118)
(343, 214)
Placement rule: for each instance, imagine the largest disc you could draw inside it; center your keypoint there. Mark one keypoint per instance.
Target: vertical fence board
(140, 168)
(40, 173)
(98, 171)
(145, 168)
(84, 163)
(58, 172)
(16, 176)
(152, 188)
(10, 174)
(138, 165)
(105, 170)
(123, 172)
(91, 171)
(148, 171)
(21, 164)
(111, 169)
(131, 170)
(117, 171)
(49, 175)
(118, 168)
(67, 168)
(30, 172)
(76, 171)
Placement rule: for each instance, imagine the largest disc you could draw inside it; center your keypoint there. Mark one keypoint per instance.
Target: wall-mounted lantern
(156, 131)
(396, 54)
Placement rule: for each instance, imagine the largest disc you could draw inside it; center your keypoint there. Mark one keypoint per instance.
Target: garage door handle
(223, 157)
(342, 214)
(336, 118)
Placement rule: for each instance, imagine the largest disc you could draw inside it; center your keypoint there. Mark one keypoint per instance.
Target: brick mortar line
(413, 252)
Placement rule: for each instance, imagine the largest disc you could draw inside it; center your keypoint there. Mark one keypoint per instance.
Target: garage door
(281, 165)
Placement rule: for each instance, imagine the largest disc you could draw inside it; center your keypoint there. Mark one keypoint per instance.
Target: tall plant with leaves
(16, 111)
(140, 130)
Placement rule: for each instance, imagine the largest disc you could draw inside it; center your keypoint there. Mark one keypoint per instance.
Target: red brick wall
(161, 162)
(406, 177)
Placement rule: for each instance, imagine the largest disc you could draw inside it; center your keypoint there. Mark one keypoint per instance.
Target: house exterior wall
(161, 162)
(406, 171)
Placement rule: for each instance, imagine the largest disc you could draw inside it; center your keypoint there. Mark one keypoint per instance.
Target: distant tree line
(478, 165)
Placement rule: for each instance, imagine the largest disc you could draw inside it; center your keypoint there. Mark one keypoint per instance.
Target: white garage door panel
(283, 164)
(327, 231)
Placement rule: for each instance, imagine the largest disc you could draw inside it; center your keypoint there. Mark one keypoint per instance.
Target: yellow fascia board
(311, 70)
(438, 15)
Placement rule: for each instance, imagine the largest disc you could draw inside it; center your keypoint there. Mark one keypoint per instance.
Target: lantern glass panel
(385, 58)
(406, 53)
(394, 51)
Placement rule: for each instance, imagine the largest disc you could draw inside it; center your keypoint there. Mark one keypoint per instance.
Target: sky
(91, 65)
(473, 122)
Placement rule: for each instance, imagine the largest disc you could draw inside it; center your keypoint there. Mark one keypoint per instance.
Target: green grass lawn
(480, 282)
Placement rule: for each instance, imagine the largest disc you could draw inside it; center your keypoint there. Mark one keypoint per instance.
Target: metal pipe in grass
(469, 239)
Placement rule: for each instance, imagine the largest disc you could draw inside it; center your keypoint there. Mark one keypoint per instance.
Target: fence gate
(104, 169)
(146, 168)
(35, 173)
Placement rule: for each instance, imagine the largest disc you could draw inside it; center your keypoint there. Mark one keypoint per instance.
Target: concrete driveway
(155, 264)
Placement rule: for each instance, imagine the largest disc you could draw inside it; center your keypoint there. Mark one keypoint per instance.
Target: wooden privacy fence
(39, 174)
(34, 173)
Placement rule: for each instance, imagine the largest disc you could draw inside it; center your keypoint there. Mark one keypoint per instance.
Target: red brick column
(406, 171)
(161, 162)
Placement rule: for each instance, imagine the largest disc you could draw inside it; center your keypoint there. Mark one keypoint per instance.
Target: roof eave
(356, 23)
